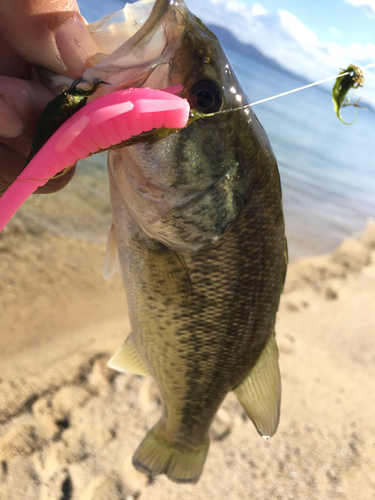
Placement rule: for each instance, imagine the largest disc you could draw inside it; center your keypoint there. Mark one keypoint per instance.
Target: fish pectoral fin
(111, 259)
(260, 392)
(127, 360)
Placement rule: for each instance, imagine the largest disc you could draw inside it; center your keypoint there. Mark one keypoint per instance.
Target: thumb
(48, 33)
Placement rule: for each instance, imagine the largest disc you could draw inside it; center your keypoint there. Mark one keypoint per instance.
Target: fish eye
(205, 96)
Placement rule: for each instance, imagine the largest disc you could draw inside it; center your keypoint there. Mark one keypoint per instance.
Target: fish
(198, 231)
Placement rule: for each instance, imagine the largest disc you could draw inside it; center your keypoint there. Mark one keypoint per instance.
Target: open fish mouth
(136, 44)
(153, 43)
(133, 43)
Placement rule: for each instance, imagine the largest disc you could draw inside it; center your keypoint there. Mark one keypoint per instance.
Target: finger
(21, 103)
(56, 184)
(12, 164)
(11, 64)
(48, 33)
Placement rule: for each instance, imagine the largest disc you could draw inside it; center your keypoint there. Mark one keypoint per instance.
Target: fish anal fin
(111, 259)
(159, 454)
(127, 360)
(260, 392)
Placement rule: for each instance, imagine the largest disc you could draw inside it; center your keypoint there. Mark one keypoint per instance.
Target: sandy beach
(69, 425)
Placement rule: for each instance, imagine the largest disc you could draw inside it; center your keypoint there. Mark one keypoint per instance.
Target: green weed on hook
(351, 78)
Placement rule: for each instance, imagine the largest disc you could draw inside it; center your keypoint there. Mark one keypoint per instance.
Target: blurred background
(327, 168)
(69, 425)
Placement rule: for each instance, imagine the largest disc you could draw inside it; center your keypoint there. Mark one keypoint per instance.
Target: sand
(69, 425)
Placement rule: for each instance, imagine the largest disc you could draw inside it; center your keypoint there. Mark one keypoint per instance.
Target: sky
(332, 21)
(313, 38)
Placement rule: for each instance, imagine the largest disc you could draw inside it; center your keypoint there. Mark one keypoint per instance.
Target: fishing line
(307, 86)
(288, 92)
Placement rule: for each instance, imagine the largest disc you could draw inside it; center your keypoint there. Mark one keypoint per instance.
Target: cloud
(292, 25)
(367, 7)
(258, 10)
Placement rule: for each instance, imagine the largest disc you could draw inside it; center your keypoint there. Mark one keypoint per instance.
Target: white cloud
(292, 25)
(258, 10)
(368, 6)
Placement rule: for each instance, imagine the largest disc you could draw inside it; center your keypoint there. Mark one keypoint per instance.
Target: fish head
(185, 189)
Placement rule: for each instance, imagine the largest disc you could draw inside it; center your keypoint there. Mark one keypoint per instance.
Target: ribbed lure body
(107, 121)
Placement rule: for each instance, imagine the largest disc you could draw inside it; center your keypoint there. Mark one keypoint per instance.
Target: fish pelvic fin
(111, 259)
(159, 454)
(127, 360)
(260, 392)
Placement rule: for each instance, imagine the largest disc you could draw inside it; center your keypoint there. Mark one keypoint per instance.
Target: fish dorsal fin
(127, 360)
(111, 260)
(260, 392)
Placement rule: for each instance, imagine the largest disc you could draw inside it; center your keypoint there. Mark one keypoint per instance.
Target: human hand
(47, 33)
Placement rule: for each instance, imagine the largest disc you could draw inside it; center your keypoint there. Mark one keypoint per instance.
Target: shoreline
(68, 423)
(82, 211)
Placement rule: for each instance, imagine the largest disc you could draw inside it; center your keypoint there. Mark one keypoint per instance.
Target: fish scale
(222, 289)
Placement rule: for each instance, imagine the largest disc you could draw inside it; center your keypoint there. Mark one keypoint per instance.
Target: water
(327, 168)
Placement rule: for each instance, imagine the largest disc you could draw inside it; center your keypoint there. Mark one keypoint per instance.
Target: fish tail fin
(159, 454)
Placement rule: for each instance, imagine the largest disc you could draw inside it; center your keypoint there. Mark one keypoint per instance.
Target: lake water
(327, 168)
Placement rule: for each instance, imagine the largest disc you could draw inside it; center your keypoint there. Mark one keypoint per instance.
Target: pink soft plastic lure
(100, 124)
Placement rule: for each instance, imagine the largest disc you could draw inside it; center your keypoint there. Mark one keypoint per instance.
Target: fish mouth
(160, 44)
(131, 42)
(147, 35)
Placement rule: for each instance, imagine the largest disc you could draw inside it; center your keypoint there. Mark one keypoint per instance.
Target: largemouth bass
(199, 229)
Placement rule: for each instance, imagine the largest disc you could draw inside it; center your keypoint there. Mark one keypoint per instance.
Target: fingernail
(11, 123)
(75, 45)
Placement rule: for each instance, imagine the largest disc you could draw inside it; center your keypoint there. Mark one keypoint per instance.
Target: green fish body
(199, 228)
